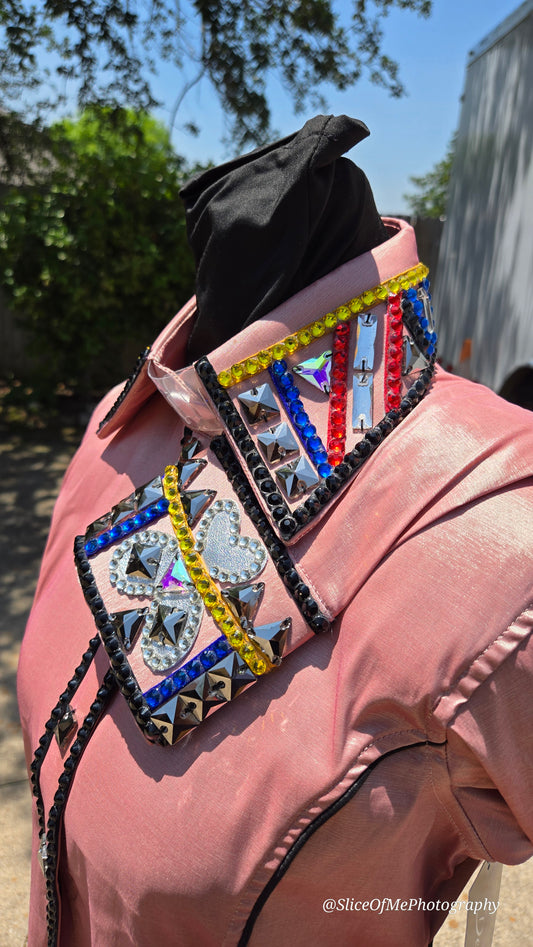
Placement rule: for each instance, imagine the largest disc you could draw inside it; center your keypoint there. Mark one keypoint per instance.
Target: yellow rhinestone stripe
(240, 371)
(249, 650)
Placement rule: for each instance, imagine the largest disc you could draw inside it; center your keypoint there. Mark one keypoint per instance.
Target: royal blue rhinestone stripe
(290, 396)
(202, 662)
(153, 512)
(418, 308)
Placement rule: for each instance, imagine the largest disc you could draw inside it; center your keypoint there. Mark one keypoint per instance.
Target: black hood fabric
(267, 224)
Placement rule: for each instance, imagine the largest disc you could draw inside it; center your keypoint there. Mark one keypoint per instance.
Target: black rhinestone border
(123, 674)
(299, 591)
(57, 808)
(232, 419)
(127, 387)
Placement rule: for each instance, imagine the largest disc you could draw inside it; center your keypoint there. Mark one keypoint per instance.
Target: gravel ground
(32, 467)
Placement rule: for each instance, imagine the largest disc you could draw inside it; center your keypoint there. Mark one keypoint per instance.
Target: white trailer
(484, 279)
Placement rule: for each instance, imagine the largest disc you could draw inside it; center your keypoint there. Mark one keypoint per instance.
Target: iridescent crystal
(316, 371)
(176, 576)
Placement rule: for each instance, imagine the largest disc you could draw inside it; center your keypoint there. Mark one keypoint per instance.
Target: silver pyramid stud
(272, 638)
(174, 720)
(228, 678)
(149, 493)
(278, 442)
(168, 624)
(99, 526)
(123, 510)
(143, 561)
(195, 502)
(65, 726)
(413, 359)
(245, 601)
(297, 477)
(259, 404)
(128, 624)
(190, 448)
(188, 470)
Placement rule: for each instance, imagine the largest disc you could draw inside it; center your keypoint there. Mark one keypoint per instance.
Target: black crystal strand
(241, 436)
(57, 809)
(50, 725)
(127, 387)
(279, 554)
(412, 324)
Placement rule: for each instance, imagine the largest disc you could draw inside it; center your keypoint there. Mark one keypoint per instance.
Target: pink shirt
(383, 759)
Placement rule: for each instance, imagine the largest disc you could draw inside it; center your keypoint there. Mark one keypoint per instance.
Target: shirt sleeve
(490, 755)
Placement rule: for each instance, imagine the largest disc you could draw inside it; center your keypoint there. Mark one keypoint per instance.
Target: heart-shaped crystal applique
(150, 565)
(229, 556)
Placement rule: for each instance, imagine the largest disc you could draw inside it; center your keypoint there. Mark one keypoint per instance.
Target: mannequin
(300, 679)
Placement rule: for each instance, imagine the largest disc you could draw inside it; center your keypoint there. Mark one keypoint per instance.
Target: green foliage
(110, 51)
(432, 188)
(94, 257)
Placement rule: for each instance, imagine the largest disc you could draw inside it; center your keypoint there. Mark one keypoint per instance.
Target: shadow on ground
(32, 464)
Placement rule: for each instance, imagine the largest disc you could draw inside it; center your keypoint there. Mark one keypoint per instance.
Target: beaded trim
(249, 651)
(291, 522)
(297, 588)
(203, 661)
(230, 416)
(127, 387)
(336, 438)
(152, 513)
(240, 371)
(289, 394)
(128, 686)
(394, 350)
(49, 828)
(49, 840)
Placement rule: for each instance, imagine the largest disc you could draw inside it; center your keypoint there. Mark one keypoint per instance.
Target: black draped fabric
(267, 224)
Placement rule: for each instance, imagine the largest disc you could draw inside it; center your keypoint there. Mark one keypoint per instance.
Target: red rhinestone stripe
(394, 352)
(336, 441)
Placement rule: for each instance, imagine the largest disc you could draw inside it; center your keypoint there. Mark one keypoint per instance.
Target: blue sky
(408, 135)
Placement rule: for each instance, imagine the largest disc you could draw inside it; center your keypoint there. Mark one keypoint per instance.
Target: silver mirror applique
(229, 556)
